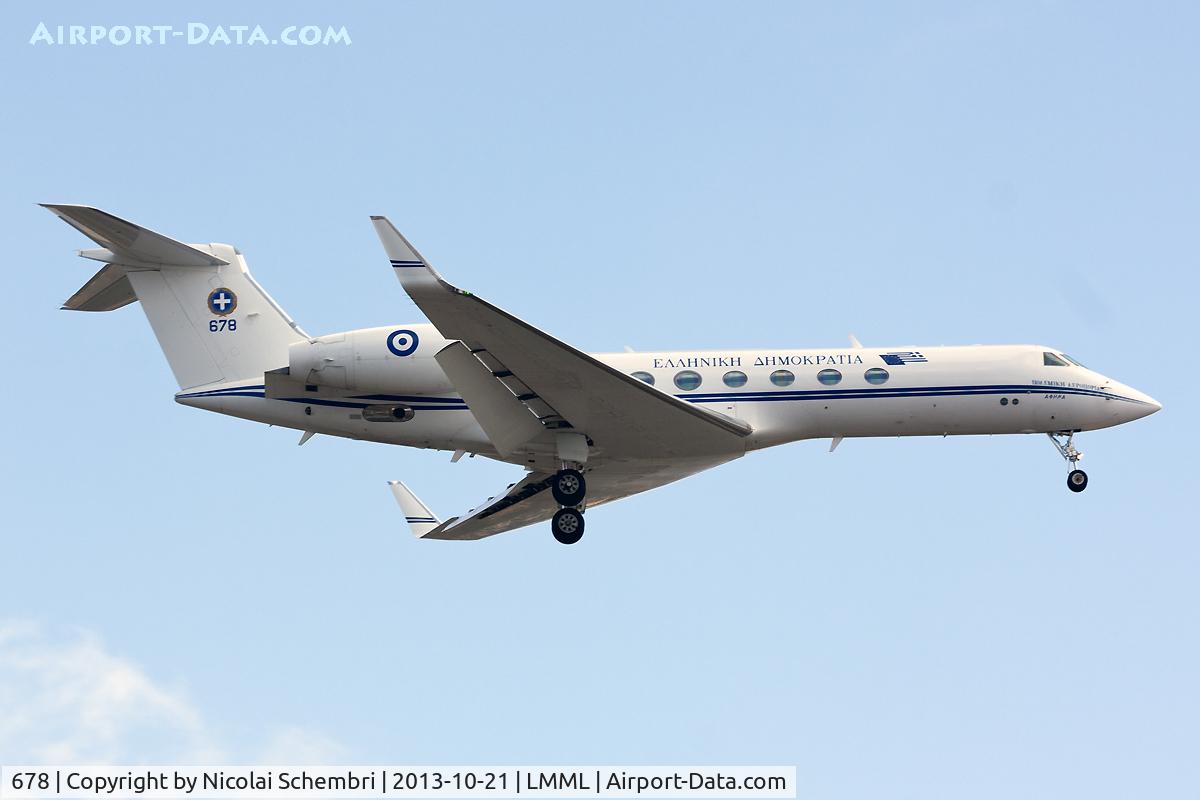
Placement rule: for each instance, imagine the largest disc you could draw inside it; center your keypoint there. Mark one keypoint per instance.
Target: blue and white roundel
(222, 302)
(403, 342)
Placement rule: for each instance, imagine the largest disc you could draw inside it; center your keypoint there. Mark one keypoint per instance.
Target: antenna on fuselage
(855, 343)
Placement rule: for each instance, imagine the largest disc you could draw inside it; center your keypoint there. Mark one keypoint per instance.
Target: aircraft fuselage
(785, 395)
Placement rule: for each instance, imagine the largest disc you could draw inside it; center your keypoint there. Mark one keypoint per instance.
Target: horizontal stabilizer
(129, 242)
(107, 290)
(418, 515)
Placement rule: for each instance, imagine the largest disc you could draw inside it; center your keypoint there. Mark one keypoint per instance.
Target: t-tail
(215, 324)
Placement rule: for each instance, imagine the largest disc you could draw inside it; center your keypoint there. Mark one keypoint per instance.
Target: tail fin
(212, 319)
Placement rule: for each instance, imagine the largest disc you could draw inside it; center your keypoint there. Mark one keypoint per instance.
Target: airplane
(587, 428)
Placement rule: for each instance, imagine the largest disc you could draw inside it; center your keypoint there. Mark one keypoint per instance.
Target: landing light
(388, 413)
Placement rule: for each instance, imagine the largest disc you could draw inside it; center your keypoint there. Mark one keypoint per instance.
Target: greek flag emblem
(901, 358)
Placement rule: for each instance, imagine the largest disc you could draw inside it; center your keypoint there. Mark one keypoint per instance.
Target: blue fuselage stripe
(895, 391)
(420, 403)
(409, 398)
(346, 404)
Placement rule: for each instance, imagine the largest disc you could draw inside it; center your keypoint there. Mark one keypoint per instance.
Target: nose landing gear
(1077, 479)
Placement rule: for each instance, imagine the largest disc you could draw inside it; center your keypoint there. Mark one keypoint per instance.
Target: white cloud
(67, 699)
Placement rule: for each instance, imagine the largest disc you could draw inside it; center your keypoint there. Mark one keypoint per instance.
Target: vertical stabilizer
(212, 319)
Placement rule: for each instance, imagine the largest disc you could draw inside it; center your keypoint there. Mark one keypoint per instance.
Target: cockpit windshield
(1073, 361)
(1051, 360)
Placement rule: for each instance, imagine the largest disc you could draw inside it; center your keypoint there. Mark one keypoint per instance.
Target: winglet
(413, 271)
(418, 515)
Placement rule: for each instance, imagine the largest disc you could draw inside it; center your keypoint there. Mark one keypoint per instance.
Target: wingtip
(399, 250)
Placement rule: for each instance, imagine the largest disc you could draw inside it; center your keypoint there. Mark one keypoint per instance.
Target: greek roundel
(402, 342)
(222, 302)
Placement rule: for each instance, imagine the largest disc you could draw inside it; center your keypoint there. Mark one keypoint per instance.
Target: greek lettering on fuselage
(783, 360)
(1068, 385)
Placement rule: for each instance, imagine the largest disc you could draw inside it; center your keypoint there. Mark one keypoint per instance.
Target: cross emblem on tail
(222, 302)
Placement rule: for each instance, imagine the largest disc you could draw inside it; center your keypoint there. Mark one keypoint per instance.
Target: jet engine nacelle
(392, 360)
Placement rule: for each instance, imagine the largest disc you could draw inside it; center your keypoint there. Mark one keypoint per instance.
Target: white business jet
(588, 429)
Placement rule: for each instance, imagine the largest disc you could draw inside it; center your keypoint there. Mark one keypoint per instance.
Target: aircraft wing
(530, 501)
(564, 387)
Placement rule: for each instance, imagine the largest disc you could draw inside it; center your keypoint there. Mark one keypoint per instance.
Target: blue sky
(927, 617)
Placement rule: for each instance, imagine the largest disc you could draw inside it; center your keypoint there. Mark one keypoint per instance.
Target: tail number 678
(222, 324)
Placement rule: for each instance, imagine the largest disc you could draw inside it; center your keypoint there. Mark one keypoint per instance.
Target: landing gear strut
(569, 489)
(1077, 479)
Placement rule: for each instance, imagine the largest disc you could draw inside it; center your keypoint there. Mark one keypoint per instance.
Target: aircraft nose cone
(1126, 403)
(1144, 405)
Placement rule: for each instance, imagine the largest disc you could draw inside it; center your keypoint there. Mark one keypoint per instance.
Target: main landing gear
(567, 525)
(1077, 479)
(569, 489)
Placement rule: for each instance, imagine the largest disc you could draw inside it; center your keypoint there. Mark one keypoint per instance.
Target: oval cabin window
(734, 378)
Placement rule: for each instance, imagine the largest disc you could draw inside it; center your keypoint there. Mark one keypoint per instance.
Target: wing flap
(522, 503)
(507, 422)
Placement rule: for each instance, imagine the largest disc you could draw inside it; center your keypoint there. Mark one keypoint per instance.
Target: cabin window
(783, 377)
(876, 375)
(1051, 360)
(687, 380)
(734, 378)
(829, 377)
(644, 377)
